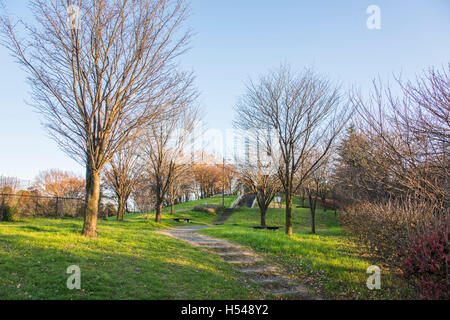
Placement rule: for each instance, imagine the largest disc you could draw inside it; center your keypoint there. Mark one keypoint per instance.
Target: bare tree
(258, 173)
(123, 174)
(8, 187)
(9, 184)
(210, 174)
(182, 185)
(96, 82)
(408, 135)
(208, 178)
(164, 143)
(264, 184)
(405, 136)
(143, 195)
(300, 111)
(58, 183)
(316, 186)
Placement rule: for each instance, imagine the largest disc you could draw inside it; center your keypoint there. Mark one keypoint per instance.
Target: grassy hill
(127, 261)
(330, 261)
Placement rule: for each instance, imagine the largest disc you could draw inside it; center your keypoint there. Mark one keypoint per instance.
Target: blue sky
(235, 40)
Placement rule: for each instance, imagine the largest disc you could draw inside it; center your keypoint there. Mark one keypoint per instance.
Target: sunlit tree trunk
(303, 198)
(92, 198)
(96, 86)
(312, 208)
(121, 208)
(289, 222)
(263, 217)
(159, 207)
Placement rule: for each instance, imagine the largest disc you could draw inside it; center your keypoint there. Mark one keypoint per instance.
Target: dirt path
(266, 275)
(223, 216)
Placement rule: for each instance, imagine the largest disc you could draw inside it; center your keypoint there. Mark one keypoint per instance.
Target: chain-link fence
(43, 206)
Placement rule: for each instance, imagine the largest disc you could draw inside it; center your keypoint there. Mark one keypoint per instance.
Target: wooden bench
(186, 220)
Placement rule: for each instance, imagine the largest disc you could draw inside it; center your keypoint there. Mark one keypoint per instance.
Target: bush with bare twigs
(395, 170)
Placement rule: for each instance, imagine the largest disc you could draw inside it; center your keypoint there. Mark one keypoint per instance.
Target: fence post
(2, 206)
(56, 211)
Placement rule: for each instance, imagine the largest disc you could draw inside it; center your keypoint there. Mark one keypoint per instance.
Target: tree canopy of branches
(9, 184)
(398, 159)
(58, 183)
(298, 118)
(96, 83)
(123, 174)
(164, 143)
(407, 136)
(264, 183)
(181, 186)
(143, 195)
(211, 178)
(258, 175)
(207, 177)
(316, 185)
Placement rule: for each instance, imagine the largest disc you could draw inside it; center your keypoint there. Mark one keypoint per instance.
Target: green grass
(185, 210)
(213, 200)
(330, 261)
(128, 260)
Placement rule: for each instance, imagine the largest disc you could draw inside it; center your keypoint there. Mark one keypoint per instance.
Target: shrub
(80, 210)
(408, 236)
(427, 264)
(10, 213)
(204, 209)
(387, 227)
(380, 226)
(110, 210)
(208, 208)
(107, 210)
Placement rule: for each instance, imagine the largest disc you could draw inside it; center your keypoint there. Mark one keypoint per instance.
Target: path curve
(267, 276)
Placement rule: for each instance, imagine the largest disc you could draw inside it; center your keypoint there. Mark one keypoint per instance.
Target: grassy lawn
(130, 261)
(329, 261)
(185, 210)
(127, 261)
(213, 200)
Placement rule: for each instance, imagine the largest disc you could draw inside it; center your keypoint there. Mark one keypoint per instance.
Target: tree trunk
(159, 206)
(172, 207)
(120, 210)
(288, 214)
(92, 198)
(312, 208)
(100, 202)
(263, 217)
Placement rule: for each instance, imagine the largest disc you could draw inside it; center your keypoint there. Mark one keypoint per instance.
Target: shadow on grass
(118, 265)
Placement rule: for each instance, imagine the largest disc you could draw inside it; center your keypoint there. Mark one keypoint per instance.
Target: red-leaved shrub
(408, 236)
(427, 264)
